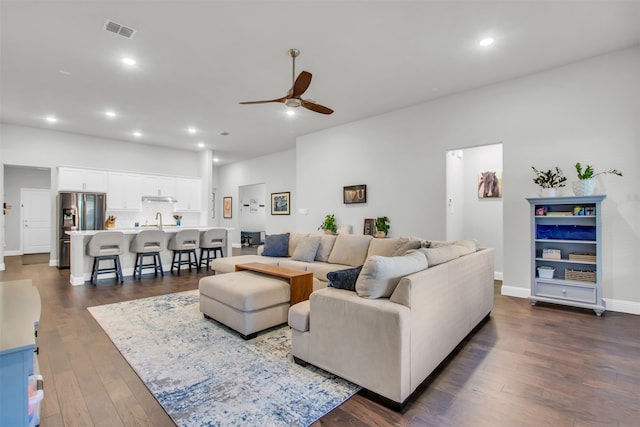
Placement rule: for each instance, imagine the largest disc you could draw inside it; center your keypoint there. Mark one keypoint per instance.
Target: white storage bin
(546, 272)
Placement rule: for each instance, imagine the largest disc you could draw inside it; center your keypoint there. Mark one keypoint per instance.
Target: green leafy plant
(329, 223)
(553, 178)
(382, 224)
(589, 173)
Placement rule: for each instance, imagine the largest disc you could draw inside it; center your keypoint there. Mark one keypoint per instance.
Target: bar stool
(211, 240)
(185, 242)
(148, 243)
(105, 246)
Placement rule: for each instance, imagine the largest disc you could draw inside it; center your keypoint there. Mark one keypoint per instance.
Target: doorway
(473, 210)
(35, 220)
(253, 217)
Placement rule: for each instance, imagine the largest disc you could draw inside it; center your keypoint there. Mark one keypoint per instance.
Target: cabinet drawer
(566, 292)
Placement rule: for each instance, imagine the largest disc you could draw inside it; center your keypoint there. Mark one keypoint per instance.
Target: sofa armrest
(362, 340)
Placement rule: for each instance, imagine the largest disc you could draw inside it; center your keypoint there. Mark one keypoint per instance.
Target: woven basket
(581, 275)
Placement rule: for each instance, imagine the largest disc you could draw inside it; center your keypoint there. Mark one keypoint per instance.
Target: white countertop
(136, 230)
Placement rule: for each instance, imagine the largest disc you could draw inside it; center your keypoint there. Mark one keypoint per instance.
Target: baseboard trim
(2, 267)
(622, 306)
(513, 291)
(53, 263)
(13, 253)
(497, 275)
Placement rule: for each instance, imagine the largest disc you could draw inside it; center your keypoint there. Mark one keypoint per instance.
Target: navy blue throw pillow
(276, 245)
(344, 279)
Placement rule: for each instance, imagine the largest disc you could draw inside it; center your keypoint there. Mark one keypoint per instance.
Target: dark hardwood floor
(546, 365)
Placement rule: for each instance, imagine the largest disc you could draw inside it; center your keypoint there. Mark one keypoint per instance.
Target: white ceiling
(197, 59)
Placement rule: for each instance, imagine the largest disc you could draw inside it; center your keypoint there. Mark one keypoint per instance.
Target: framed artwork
(354, 194)
(369, 226)
(226, 207)
(490, 185)
(281, 203)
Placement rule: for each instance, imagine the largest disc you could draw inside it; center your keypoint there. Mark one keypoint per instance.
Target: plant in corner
(382, 226)
(329, 224)
(586, 184)
(549, 180)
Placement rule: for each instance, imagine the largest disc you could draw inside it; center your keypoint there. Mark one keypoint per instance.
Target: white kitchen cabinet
(125, 191)
(156, 185)
(73, 179)
(188, 193)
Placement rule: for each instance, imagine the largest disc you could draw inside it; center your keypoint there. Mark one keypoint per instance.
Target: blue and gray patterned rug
(204, 374)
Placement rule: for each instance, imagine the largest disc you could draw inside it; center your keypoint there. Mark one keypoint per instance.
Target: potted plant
(382, 226)
(549, 181)
(329, 224)
(586, 183)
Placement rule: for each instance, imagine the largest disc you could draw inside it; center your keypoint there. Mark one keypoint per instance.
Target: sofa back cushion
(441, 252)
(382, 247)
(276, 245)
(294, 239)
(350, 249)
(380, 275)
(306, 249)
(324, 249)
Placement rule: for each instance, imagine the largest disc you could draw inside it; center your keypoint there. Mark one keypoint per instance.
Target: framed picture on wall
(227, 207)
(369, 226)
(354, 194)
(281, 203)
(490, 184)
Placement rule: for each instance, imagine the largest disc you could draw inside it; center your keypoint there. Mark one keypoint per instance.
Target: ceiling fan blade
(301, 84)
(316, 107)
(264, 102)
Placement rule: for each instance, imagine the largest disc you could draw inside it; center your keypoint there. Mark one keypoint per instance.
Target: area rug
(203, 373)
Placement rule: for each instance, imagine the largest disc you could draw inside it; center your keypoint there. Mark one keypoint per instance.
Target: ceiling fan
(298, 87)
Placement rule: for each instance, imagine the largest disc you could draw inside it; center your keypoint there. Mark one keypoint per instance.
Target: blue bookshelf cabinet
(19, 315)
(566, 251)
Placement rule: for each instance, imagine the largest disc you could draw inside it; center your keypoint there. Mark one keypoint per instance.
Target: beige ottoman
(245, 301)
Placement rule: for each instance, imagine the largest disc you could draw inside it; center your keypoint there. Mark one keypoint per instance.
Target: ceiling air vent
(114, 27)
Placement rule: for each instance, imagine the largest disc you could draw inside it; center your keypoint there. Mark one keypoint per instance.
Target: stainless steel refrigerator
(78, 211)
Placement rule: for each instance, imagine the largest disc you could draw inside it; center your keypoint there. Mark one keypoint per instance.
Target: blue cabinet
(19, 314)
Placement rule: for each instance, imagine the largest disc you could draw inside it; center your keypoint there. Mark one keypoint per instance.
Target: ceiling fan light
(292, 102)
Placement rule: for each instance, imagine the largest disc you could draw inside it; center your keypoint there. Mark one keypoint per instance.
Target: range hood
(167, 199)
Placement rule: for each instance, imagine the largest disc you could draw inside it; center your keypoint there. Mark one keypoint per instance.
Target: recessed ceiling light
(110, 113)
(65, 72)
(129, 61)
(192, 130)
(51, 119)
(200, 144)
(223, 133)
(291, 112)
(216, 160)
(486, 41)
(137, 133)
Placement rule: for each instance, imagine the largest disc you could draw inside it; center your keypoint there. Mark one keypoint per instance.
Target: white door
(36, 220)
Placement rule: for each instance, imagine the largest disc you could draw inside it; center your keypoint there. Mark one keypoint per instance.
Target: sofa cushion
(382, 247)
(306, 249)
(405, 244)
(294, 239)
(223, 265)
(350, 249)
(344, 279)
(444, 252)
(380, 275)
(324, 249)
(276, 245)
(291, 263)
(321, 269)
(299, 316)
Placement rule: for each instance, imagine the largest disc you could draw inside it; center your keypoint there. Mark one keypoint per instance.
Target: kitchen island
(82, 264)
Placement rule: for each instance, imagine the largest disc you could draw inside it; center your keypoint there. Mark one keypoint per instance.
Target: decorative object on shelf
(549, 181)
(490, 185)
(110, 221)
(580, 275)
(178, 218)
(354, 194)
(546, 272)
(281, 203)
(227, 207)
(549, 253)
(586, 183)
(369, 227)
(382, 226)
(329, 224)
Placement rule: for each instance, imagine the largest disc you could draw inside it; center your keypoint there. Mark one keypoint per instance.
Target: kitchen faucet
(158, 214)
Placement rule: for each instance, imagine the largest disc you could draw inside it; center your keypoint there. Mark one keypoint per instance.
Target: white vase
(548, 192)
(584, 187)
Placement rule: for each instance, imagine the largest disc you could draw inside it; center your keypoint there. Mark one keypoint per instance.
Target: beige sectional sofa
(414, 302)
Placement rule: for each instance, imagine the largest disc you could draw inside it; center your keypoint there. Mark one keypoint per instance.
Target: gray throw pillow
(344, 279)
(306, 249)
(276, 245)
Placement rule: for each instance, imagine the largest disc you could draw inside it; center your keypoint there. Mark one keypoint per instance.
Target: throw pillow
(344, 279)
(306, 249)
(276, 245)
(380, 275)
(324, 249)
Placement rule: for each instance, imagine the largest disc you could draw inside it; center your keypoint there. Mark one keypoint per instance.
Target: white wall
(277, 171)
(587, 112)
